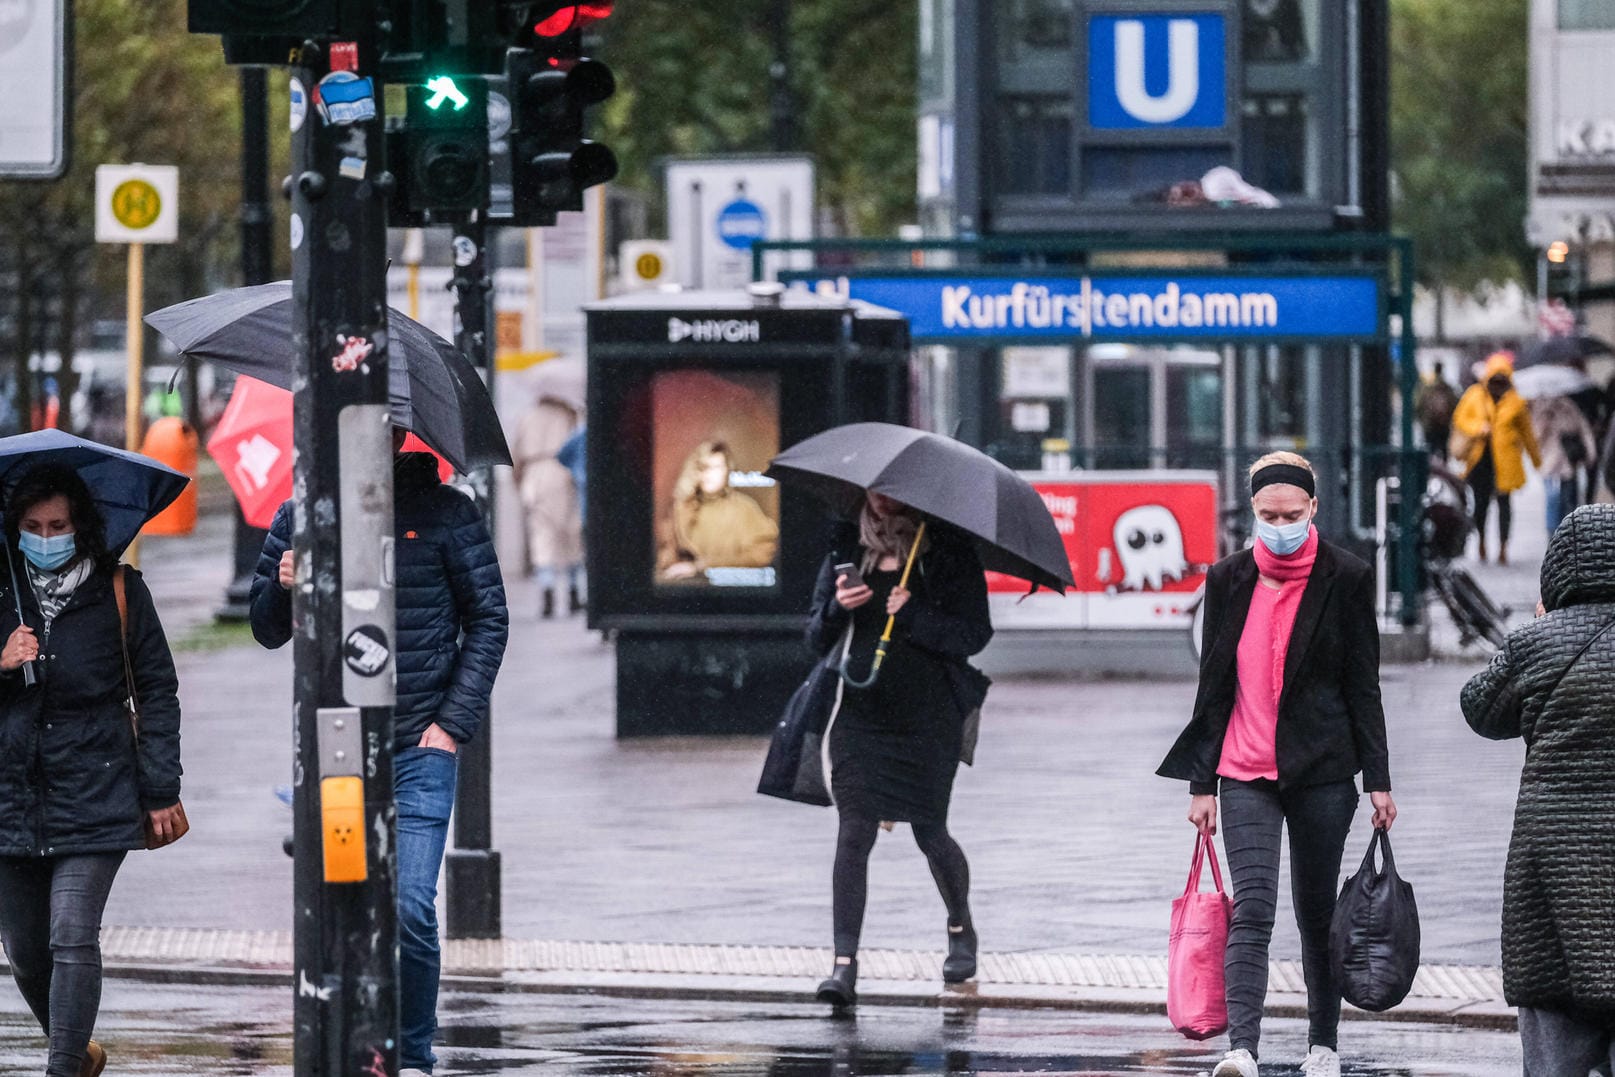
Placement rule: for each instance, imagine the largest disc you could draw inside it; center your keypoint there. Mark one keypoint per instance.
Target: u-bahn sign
(1139, 306)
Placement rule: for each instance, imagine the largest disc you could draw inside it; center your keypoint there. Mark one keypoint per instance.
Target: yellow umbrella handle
(891, 621)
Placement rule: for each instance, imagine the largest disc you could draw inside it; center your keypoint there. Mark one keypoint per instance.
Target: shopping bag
(1196, 1002)
(1374, 937)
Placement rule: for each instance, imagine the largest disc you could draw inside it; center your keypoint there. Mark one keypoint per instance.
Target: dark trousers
(850, 884)
(1483, 485)
(50, 921)
(1253, 818)
(1555, 1043)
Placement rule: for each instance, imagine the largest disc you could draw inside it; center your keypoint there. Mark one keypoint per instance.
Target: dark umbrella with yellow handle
(945, 481)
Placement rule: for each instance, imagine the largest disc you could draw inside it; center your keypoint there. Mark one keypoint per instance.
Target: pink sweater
(1250, 748)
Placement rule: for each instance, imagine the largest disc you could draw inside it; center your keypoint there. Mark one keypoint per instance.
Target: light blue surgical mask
(1282, 539)
(47, 553)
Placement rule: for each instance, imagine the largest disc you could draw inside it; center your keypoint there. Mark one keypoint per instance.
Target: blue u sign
(1157, 71)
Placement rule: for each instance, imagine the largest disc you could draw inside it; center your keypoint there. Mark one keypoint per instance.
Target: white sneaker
(413, 1073)
(1236, 1064)
(1320, 1062)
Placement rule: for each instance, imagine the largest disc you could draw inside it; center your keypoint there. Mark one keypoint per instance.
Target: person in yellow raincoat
(1491, 433)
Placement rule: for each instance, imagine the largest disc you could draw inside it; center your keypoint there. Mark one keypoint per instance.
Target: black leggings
(851, 880)
(50, 918)
(1483, 484)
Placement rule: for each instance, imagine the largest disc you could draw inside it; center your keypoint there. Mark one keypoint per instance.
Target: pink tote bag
(1196, 1003)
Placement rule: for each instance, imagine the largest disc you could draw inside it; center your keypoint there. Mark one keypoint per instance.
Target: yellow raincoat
(1507, 421)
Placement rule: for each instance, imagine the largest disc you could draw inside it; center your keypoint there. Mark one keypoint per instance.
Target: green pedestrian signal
(443, 89)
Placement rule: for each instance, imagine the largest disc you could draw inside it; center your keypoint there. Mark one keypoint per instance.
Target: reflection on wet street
(179, 1029)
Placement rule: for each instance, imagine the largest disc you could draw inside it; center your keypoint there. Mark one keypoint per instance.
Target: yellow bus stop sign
(648, 265)
(136, 204)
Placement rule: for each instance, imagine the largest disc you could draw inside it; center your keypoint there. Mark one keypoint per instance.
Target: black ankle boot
(841, 989)
(574, 601)
(549, 604)
(961, 961)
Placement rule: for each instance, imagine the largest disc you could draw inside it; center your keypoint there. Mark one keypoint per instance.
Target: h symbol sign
(1155, 71)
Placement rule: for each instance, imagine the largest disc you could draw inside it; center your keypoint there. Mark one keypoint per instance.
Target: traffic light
(281, 18)
(439, 158)
(538, 24)
(552, 164)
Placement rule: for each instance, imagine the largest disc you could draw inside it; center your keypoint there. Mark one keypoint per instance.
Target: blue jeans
(424, 785)
(1561, 501)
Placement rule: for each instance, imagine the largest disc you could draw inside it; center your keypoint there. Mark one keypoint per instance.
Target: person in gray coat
(1550, 684)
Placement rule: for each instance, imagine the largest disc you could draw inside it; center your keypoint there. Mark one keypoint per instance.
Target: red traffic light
(572, 17)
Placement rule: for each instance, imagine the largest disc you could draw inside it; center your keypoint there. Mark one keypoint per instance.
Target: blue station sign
(1150, 72)
(1154, 306)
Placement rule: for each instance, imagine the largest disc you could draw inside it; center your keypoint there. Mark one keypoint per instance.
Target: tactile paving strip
(273, 950)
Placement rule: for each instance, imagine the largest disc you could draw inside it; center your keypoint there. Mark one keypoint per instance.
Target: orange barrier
(171, 441)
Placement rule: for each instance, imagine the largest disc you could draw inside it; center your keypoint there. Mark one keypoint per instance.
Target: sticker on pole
(344, 99)
(742, 223)
(299, 109)
(366, 651)
(136, 204)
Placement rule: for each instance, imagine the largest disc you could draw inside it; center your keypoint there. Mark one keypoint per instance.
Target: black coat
(69, 779)
(448, 582)
(1551, 685)
(947, 614)
(1331, 724)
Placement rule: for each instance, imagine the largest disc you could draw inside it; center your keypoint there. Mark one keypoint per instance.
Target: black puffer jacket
(448, 583)
(69, 779)
(1552, 684)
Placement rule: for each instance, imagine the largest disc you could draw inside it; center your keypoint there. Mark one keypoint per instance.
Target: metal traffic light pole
(345, 936)
(471, 868)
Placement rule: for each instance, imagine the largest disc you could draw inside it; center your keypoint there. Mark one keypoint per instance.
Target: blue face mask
(47, 553)
(1282, 539)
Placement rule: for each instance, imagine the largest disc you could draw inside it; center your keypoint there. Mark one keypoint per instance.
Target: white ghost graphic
(1149, 543)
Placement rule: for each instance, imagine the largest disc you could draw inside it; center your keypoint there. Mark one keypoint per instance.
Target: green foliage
(1459, 72)
(145, 90)
(694, 79)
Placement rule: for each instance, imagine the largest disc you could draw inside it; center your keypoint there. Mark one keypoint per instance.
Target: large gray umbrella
(434, 390)
(946, 480)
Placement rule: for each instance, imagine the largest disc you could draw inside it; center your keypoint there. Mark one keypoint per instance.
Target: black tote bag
(794, 767)
(1374, 937)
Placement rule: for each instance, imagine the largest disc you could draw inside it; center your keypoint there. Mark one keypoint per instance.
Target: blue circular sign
(741, 223)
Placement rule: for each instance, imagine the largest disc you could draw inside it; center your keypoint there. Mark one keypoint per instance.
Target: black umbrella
(433, 389)
(1563, 350)
(127, 488)
(946, 480)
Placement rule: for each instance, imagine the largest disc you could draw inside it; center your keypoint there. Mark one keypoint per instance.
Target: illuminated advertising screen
(716, 518)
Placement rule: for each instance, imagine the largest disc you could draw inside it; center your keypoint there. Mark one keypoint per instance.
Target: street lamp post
(255, 269)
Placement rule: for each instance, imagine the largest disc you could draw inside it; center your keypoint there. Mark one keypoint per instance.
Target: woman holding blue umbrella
(82, 779)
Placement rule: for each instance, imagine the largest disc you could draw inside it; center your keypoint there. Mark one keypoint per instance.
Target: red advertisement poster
(1139, 542)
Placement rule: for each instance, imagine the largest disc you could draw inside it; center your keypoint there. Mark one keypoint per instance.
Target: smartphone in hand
(850, 571)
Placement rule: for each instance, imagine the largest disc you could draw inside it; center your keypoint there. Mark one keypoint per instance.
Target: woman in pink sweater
(1287, 714)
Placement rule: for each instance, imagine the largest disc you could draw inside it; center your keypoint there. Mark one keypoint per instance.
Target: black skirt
(894, 747)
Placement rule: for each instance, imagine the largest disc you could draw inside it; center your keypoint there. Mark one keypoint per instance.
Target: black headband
(1286, 474)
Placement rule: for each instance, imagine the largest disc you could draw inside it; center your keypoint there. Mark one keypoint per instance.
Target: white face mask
(1283, 539)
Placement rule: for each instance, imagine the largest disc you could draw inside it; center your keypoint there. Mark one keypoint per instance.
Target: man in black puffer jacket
(452, 627)
(1551, 685)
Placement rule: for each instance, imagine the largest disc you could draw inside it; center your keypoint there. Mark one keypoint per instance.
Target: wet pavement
(246, 1031)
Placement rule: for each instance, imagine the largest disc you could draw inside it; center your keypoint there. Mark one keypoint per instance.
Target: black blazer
(1331, 724)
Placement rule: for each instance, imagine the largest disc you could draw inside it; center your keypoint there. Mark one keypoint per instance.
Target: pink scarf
(1250, 748)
